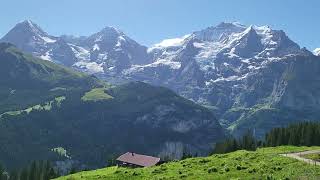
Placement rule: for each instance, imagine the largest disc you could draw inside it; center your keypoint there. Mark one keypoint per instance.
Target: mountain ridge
(225, 67)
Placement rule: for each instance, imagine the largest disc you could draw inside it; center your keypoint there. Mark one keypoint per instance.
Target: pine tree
(301, 134)
(47, 169)
(2, 173)
(52, 173)
(33, 174)
(14, 175)
(24, 175)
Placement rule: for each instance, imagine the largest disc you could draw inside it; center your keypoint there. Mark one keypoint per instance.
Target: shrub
(213, 169)
(253, 170)
(204, 161)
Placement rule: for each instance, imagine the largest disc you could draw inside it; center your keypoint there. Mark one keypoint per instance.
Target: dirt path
(299, 154)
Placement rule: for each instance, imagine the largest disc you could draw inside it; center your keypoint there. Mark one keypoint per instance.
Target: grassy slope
(27, 81)
(264, 163)
(45, 107)
(96, 94)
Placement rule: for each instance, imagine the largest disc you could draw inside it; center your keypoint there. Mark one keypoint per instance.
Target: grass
(96, 94)
(264, 163)
(46, 107)
(315, 156)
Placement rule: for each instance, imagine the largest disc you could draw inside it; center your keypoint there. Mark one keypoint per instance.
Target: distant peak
(249, 32)
(29, 23)
(230, 24)
(113, 30)
(250, 29)
(31, 26)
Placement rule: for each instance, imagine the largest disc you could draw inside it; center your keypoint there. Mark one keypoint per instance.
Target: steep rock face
(280, 93)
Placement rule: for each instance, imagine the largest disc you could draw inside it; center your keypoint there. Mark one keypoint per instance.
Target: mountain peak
(249, 31)
(230, 24)
(111, 30)
(28, 21)
(29, 37)
(30, 26)
(107, 34)
(214, 33)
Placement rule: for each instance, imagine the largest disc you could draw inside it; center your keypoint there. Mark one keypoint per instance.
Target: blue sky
(150, 21)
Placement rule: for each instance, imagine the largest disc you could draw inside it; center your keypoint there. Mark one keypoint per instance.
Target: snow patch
(253, 67)
(81, 53)
(227, 79)
(47, 56)
(230, 78)
(47, 39)
(169, 43)
(91, 67)
(96, 47)
(316, 52)
(120, 39)
(160, 62)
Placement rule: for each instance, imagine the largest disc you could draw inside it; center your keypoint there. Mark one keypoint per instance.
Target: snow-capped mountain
(107, 52)
(111, 50)
(230, 40)
(239, 72)
(29, 34)
(227, 52)
(233, 69)
(316, 52)
(29, 37)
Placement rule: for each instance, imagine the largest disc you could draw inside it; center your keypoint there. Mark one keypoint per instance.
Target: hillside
(265, 163)
(26, 81)
(51, 112)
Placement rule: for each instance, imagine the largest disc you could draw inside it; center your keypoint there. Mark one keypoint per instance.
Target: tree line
(247, 142)
(37, 170)
(300, 134)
